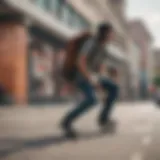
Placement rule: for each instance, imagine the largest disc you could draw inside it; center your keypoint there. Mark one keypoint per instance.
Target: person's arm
(103, 66)
(103, 69)
(82, 61)
(82, 65)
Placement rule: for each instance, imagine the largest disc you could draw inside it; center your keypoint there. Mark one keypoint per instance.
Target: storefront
(37, 68)
(34, 44)
(13, 66)
(46, 55)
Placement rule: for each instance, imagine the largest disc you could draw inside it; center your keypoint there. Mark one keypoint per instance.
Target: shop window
(42, 69)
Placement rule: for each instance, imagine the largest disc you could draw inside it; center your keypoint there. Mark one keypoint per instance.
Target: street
(33, 133)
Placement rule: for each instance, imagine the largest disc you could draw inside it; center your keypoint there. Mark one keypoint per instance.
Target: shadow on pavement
(20, 144)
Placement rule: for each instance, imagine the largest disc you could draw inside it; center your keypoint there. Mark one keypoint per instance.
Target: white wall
(150, 65)
(134, 61)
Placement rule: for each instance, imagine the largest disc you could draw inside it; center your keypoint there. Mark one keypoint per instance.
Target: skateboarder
(90, 60)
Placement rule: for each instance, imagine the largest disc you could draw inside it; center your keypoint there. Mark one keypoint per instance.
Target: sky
(148, 10)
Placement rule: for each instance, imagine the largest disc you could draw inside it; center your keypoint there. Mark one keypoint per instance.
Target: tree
(156, 81)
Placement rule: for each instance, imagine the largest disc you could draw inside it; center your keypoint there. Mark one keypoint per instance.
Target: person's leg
(112, 93)
(89, 100)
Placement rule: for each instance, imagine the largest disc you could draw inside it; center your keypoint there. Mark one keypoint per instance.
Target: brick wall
(13, 60)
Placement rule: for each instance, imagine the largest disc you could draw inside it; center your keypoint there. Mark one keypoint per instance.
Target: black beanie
(103, 30)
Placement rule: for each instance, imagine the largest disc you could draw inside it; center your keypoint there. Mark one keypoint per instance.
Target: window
(67, 15)
(44, 4)
(72, 19)
(56, 7)
(64, 12)
(78, 22)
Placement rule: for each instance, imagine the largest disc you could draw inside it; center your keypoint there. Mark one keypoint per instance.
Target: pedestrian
(89, 60)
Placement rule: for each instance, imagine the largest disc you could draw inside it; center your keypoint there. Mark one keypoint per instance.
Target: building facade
(33, 61)
(113, 12)
(143, 39)
(43, 27)
(135, 68)
(156, 57)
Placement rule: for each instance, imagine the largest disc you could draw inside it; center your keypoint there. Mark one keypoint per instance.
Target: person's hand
(94, 80)
(116, 79)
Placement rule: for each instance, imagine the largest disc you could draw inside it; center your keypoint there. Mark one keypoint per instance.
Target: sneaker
(102, 122)
(108, 125)
(69, 131)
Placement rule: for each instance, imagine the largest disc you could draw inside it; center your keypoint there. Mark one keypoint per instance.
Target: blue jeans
(90, 100)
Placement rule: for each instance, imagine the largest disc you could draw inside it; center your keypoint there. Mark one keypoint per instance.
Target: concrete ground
(34, 134)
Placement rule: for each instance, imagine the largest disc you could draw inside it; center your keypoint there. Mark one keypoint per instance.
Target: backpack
(72, 51)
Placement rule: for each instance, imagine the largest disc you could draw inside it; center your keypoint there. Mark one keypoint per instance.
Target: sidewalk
(34, 133)
(68, 105)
